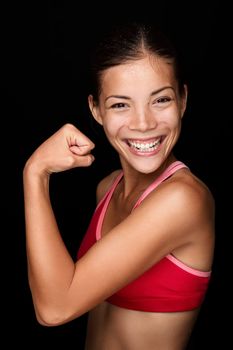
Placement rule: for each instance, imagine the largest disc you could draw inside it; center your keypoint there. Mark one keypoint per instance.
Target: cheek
(112, 126)
(176, 121)
(171, 119)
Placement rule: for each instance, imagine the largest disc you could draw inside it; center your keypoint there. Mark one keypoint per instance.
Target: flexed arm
(50, 267)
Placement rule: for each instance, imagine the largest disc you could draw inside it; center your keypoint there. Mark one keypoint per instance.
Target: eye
(163, 100)
(119, 105)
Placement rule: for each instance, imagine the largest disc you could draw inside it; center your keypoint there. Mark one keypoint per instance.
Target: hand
(65, 149)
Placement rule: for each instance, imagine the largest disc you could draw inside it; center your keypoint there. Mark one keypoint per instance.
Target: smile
(146, 146)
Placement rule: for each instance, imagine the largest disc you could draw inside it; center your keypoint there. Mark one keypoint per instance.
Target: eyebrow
(155, 92)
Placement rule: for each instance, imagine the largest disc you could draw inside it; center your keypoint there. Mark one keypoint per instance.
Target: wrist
(34, 172)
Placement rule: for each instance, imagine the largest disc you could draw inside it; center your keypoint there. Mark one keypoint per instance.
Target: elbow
(43, 321)
(51, 317)
(48, 319)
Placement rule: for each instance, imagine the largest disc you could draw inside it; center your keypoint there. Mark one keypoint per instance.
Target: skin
(139, 104)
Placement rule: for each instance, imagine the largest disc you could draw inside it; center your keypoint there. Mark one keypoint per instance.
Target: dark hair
(130, 41)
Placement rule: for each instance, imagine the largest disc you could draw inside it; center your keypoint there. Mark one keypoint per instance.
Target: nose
(142, 121)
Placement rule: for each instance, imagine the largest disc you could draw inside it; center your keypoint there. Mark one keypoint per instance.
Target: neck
(135, 181)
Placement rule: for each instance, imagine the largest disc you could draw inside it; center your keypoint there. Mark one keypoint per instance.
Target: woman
(144, 265)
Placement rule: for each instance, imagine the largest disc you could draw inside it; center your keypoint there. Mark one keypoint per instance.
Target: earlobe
(94, 110)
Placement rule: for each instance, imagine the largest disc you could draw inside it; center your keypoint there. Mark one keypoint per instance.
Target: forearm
(50, 267)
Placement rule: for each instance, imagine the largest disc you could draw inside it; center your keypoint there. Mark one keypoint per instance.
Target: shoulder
(105, 184)
(186, 200)
(190, 194)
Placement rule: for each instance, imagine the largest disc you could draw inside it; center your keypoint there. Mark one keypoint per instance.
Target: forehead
(150, 71)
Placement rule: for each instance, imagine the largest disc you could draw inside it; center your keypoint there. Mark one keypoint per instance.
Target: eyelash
(163, 99)
(118, 105)
(160, 100)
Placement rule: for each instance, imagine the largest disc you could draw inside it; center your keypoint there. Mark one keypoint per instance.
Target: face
(140, 110)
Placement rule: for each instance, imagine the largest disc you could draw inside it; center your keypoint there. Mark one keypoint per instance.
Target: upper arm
(164, 221)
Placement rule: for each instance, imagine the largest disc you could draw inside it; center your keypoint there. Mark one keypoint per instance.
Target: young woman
(144, 265)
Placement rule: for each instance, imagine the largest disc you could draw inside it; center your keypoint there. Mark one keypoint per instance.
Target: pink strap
(106, 198)
(189, 269)
(171, 169)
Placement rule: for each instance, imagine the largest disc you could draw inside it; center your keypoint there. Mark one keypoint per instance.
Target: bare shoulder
(189, 203)
(193, 192)
(185, 186)
(105, 183)
(191, 195)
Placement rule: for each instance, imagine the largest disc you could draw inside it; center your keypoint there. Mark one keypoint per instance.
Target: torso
(116, 328)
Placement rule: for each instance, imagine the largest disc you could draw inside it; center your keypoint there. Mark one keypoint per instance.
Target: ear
(184, 98)
(94, 108)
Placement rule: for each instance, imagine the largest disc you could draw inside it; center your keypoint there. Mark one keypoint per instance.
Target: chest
(114, 215)
(117, 211)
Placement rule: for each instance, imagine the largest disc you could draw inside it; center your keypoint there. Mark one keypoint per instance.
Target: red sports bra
(169, 285)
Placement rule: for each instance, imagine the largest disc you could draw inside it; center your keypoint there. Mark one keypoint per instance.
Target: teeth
(145, 147)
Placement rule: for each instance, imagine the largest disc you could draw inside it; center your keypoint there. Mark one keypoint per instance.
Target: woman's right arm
(50, 267)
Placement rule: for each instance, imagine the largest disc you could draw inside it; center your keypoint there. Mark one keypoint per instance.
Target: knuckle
(89, 160)
(70, 161)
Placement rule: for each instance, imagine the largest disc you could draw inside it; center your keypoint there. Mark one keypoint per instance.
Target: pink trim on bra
(103, 211)
(171, 169)
(189, 269)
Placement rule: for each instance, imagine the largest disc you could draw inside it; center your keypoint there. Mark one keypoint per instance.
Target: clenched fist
(65, 149)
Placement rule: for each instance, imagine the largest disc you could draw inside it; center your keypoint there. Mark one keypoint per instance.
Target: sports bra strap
(171, 169)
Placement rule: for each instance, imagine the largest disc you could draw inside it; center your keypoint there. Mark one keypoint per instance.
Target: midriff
(115, 328)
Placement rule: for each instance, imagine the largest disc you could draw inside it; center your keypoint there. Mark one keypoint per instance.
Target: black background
(44, 51)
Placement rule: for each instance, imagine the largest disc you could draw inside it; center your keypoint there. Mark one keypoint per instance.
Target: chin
(146, 169)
